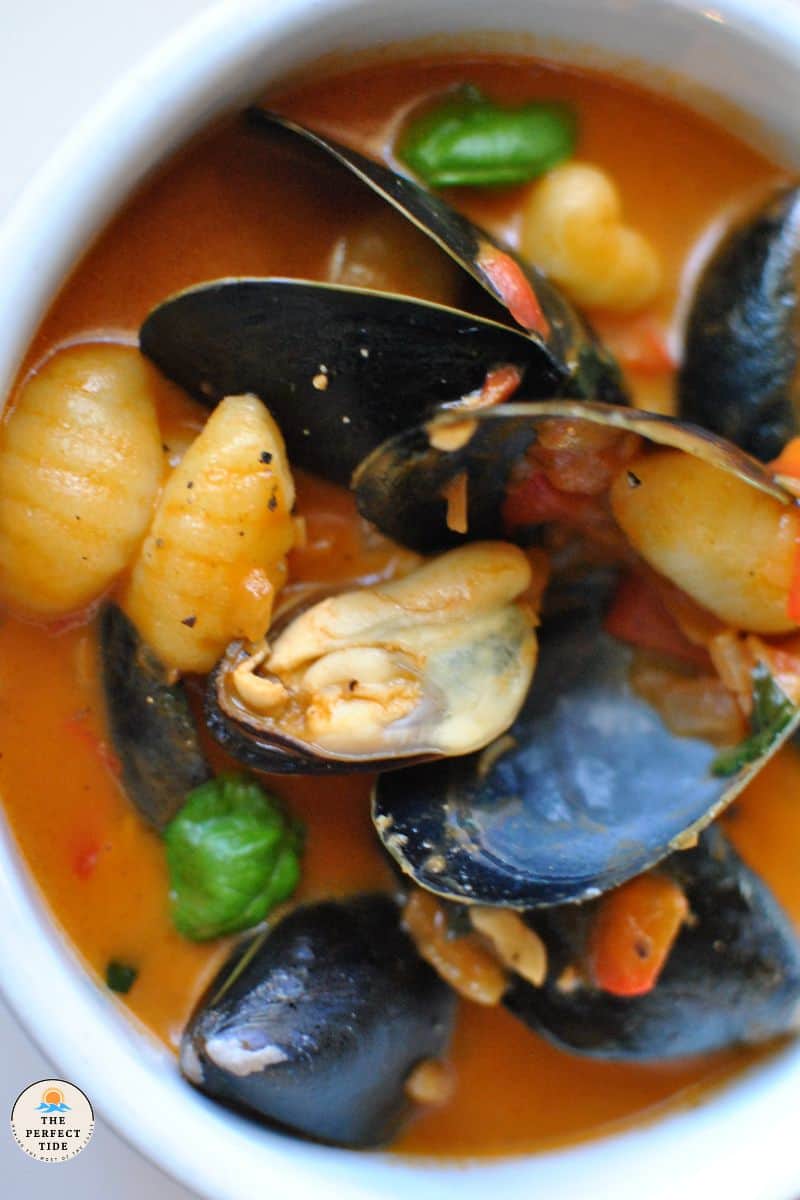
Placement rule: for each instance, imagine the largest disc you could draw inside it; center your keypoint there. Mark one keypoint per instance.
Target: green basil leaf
(468, 141)
(772, 712)
(233, 854)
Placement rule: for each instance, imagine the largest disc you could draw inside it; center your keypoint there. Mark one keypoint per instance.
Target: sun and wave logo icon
(53, 1101)
(52, 1121)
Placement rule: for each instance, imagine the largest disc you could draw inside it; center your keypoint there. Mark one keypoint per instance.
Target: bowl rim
(216, 1158)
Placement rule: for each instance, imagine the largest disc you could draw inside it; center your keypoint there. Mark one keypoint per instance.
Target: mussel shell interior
(733, 975)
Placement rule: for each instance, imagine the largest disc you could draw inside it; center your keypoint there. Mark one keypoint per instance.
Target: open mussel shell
(582, 365)
(150, 725)
(402, 485)
(316, 1024)
(434, 664)
(741, 368)
(341, 369)
(588, 787)
(732, 977)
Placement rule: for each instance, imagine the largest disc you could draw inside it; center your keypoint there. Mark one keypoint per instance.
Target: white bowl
(740, 1141)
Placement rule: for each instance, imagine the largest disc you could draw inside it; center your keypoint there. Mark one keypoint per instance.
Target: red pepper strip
(633, 932)
(500, 383)
(639, 616)
(793, 601)
(639, 344)
(788, 463)
(533, 499)
(510, 283)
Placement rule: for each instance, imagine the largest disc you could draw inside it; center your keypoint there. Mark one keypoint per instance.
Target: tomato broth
(233, 204)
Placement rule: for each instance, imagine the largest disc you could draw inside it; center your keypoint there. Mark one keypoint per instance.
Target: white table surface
(58, 57)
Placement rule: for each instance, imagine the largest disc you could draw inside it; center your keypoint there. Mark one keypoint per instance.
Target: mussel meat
(741, 368)
(732, 977)
(151, 728)
(434, 664)
(316, 1024)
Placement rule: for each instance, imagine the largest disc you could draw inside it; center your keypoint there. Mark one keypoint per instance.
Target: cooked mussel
(317, 1024)
(149, 721)
(588, 787)
(334, 363)
(732, 976)
(580, 362)
(403, 485)
(433, 664)
(741, 369)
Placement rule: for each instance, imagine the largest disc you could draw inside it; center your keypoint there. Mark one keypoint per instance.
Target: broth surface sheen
(233, 204)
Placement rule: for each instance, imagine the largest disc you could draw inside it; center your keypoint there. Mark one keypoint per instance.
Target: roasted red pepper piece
(633, 932)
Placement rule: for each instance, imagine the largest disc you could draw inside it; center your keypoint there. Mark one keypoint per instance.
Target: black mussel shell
(733, 975)
(587, 789)
(341, 369)
(579, 360)
(316, 1025)
(741, 369)
(151, 728)
(401, 486)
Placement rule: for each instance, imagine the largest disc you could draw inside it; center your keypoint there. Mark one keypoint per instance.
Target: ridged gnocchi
(572, 229)
(729, 546)
(81, 463)
(214, 556)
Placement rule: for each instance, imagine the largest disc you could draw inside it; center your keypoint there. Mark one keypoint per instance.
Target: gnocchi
(81, 464)
(214, 556)
(730, 547)
(572, 228)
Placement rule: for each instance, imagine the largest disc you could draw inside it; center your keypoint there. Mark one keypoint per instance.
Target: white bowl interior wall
(746, 54)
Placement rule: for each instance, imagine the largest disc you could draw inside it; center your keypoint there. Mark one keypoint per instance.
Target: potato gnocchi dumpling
(573, 229)
(81, 463)
(729, 546)
(214, 556)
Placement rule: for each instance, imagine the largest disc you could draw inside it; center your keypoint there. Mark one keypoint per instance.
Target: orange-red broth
(254, 211)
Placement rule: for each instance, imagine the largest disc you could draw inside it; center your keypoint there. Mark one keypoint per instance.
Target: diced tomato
(639, 616)
(532, 500)
(633, 932)
(85, 859)
(788, 464)
(512, 285)
(639, 343)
